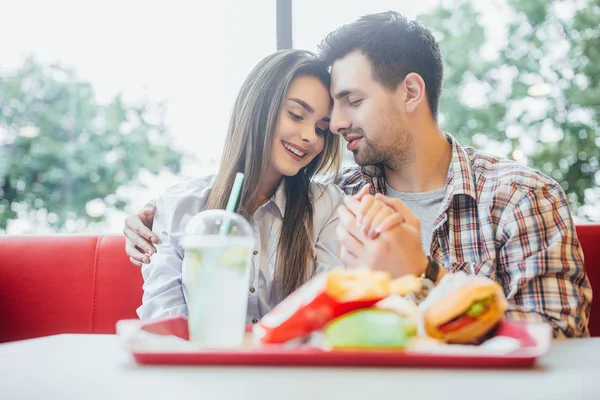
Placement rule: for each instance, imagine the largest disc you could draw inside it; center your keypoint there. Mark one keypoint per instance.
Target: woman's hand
(139, 236)
(375, 216)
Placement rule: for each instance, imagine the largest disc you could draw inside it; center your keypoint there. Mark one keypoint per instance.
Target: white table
(98, 367)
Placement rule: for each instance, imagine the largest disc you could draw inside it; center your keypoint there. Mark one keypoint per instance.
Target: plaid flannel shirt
(512, 224)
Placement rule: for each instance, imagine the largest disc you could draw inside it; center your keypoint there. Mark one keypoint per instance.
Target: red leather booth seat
(589, 237)
(65, 284)
(85, 284)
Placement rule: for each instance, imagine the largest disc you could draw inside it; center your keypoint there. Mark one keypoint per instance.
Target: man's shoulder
(500, 171)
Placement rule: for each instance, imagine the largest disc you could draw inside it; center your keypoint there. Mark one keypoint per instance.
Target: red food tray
(534, 342)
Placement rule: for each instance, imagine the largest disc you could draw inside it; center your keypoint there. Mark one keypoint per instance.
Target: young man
(460, 209)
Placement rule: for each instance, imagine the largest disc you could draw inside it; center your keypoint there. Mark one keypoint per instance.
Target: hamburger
(466, 314)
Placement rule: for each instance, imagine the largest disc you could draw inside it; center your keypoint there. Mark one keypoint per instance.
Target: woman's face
(302, 125)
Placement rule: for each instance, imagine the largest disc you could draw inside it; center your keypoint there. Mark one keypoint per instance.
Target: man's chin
(363, 160)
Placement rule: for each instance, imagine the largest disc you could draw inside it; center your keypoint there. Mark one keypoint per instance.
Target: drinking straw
(232, 202)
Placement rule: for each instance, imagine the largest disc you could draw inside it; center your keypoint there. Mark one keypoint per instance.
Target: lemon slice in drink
(233, 257)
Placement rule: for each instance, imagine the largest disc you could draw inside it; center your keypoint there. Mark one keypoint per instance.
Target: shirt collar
(278, 199)
(460, 178)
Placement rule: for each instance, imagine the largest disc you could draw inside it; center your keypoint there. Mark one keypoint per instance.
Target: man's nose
(339, 123)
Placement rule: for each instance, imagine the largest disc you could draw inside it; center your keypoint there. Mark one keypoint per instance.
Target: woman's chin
(290, 171)
(289, 167)
(293, 173)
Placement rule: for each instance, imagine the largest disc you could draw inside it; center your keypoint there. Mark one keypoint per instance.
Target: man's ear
(415, 95)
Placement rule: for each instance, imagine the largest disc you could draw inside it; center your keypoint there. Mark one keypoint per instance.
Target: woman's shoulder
(198, 187)
(184, 198)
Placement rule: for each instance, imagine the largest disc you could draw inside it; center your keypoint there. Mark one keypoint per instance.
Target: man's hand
(397, 250)
(139, 236)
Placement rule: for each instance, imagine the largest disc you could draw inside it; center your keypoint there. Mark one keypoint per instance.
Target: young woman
(279, 138)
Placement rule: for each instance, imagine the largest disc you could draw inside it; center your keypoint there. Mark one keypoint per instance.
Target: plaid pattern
(509, 223)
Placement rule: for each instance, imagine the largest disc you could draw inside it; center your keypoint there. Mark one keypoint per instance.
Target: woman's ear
(414, 92)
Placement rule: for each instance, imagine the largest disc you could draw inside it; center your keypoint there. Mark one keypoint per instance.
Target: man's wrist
(429, 276)
(432, 270)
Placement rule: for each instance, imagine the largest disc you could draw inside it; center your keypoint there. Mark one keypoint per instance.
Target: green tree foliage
(537, 96)
(60, 149)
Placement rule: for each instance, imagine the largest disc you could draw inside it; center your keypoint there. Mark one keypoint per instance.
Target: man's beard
(392, 143)
(368, 153)
(393, 155)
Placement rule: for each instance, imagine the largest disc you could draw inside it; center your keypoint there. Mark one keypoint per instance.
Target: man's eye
(355, 103)
(295, 117)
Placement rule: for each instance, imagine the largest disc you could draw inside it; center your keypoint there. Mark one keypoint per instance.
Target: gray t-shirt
(426, 206)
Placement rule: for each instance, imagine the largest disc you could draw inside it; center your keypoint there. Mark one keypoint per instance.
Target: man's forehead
(351, 70)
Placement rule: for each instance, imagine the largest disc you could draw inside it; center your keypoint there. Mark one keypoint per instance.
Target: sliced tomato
(456, 324)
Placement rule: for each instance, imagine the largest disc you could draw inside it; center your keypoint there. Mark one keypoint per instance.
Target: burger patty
(476, 310)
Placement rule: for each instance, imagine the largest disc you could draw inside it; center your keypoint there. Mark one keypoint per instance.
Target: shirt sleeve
(163, 290)
(541, 264)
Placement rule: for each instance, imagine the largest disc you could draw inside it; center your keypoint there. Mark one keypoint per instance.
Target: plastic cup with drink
(218, 247)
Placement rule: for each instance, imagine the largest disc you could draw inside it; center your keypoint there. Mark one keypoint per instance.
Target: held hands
(374, 215)
(380, 233)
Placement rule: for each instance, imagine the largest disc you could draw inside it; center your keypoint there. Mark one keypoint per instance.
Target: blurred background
(105, 104)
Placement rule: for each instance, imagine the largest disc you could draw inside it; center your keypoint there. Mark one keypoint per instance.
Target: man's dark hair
(395, 47)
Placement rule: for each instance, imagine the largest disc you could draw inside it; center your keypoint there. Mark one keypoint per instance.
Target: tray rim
(280, 355)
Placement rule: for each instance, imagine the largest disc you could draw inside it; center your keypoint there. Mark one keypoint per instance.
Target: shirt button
(254, 320)
(252, 290)
(255, 253)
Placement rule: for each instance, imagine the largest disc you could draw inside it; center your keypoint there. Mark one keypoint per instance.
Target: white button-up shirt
(165, 289)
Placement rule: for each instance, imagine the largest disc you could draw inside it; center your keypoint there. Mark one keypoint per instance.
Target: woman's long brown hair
(248, 149)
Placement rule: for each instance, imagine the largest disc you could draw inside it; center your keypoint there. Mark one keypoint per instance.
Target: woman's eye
(295, 117)
(320, 131)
